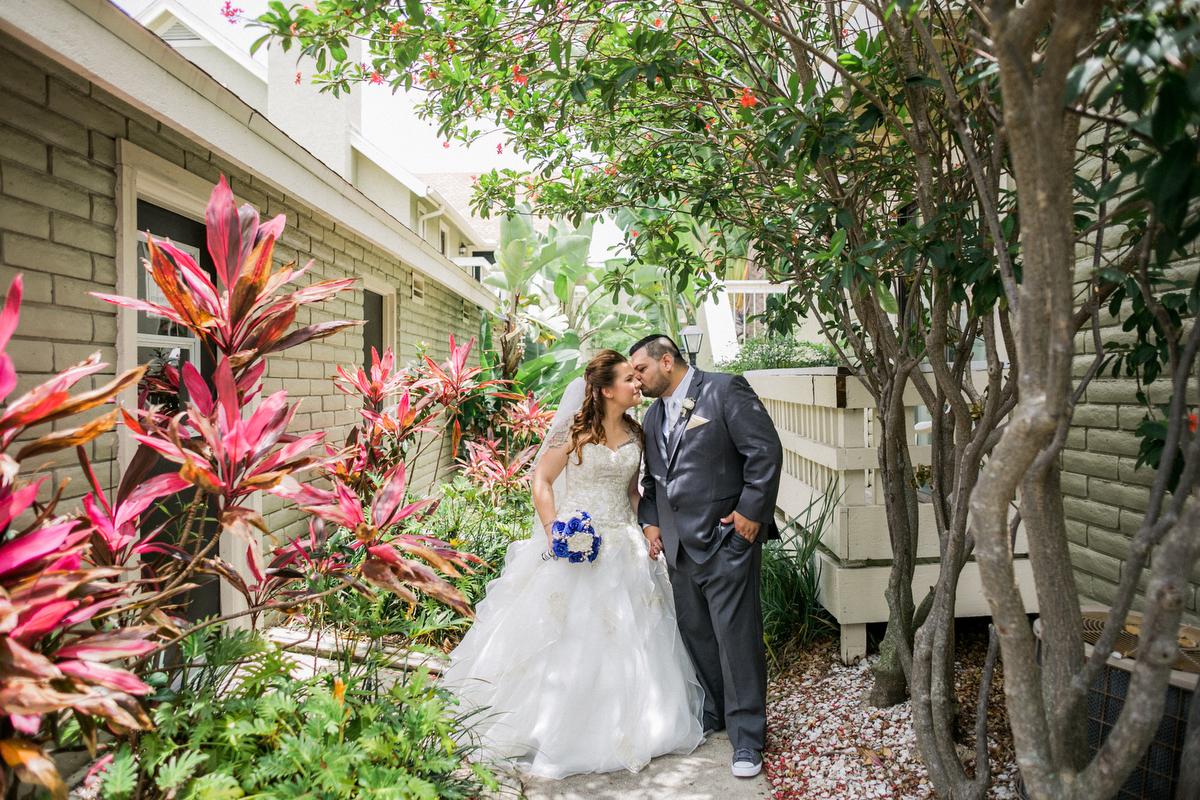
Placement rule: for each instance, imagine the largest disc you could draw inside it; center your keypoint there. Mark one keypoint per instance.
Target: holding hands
(654, 540)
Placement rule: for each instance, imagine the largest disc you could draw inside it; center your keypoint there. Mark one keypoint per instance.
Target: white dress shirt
(672, 403)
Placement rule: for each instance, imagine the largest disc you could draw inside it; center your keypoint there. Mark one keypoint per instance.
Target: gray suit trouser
(720, 617)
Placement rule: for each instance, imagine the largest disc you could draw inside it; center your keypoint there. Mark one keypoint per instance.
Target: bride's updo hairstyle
(600, 374)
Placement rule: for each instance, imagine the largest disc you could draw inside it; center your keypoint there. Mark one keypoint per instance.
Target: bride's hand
(654, 540)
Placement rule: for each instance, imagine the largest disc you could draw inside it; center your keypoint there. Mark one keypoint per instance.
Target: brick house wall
(58, 210)
(1104, 496)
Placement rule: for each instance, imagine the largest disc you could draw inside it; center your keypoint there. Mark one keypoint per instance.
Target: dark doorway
(372, 330)
(161, 343)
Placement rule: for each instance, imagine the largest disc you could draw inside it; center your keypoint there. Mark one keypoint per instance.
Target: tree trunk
(900, 500)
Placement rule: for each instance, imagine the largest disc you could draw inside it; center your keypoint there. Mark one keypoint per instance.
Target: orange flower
(1192, 423)
(376, 78)
(748, 99)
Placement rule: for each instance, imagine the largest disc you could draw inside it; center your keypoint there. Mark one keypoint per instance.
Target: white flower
(687, 405)
(580, 543)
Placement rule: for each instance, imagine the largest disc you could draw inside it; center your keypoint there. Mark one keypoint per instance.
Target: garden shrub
(790, 581)
(244, 723)
(779, 352)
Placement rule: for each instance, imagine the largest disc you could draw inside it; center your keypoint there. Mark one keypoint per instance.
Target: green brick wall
(1104, 496)
(58, 138)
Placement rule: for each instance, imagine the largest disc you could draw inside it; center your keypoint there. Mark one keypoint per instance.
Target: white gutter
(415, 185)
(100, 42)
(441, 209)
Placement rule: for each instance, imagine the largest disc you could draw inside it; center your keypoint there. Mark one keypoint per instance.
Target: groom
(713, 461)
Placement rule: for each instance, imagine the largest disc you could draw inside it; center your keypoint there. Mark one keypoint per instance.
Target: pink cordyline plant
(490, 467)
(56, 652)
(224, 447)
(376, 445)
(242, 319)
(231, 457)
(528, 419)
(452, 383)
(384, 567)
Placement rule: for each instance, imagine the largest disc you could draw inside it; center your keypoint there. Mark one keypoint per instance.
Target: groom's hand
(746, 528)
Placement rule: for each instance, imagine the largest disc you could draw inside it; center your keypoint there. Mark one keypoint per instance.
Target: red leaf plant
(528, 419)
(56, 651)
(452, 383)
(491, 468)
(240, 318)
(384, 566)
(228, 449)
(385, 436)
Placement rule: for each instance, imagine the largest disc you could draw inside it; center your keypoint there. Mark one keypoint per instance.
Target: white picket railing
(826, 422)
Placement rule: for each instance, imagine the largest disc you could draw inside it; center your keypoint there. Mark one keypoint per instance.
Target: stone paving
(702, 775)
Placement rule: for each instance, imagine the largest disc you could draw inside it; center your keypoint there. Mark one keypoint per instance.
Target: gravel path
(821, 743)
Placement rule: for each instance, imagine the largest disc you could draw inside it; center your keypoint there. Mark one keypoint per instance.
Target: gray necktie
(672, 415)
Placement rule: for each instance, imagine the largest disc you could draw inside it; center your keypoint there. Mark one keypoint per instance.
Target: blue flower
(574, 525)
(595, 548)
(560, 548)
(575, 558)
(558, 527)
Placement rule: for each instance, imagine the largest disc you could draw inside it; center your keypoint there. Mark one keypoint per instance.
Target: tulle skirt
(578, 668)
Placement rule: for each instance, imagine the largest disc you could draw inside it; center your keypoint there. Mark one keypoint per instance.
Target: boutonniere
(686, 406)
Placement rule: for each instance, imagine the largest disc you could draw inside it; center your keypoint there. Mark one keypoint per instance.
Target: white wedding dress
(580, 667)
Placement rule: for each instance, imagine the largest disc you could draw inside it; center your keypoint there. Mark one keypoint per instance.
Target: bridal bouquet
(574, 539)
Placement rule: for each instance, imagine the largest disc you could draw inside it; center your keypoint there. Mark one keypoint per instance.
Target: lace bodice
(600, 484)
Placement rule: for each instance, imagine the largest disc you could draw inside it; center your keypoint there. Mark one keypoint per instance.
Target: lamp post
(692, 336)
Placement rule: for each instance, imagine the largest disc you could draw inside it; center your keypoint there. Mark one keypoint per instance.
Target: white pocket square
(696, 421)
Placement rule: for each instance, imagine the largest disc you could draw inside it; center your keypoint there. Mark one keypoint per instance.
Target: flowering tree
(864, 159)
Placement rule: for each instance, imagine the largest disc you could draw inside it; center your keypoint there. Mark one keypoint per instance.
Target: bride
(579, 667)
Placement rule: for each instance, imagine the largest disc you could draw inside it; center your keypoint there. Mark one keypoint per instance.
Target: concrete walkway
(702, 775)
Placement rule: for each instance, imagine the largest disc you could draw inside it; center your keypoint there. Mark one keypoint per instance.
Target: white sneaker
(746, 763)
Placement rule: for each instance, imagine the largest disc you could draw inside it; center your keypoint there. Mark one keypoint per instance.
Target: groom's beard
(656, 388)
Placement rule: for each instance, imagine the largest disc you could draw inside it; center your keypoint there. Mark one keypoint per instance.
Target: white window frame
(141, 175)
(388, 292)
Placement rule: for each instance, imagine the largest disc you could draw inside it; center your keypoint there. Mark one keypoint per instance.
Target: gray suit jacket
(732, 462)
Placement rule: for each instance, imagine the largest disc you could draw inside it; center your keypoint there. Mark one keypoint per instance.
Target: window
(418, 289)
(162, 344)
(372, 329)
(442, 241)
(166, 347)
(379, 316)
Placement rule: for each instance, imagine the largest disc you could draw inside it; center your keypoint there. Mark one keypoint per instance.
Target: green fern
(237, 729)
(121, 776)
(214, 787)
(177, 769)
